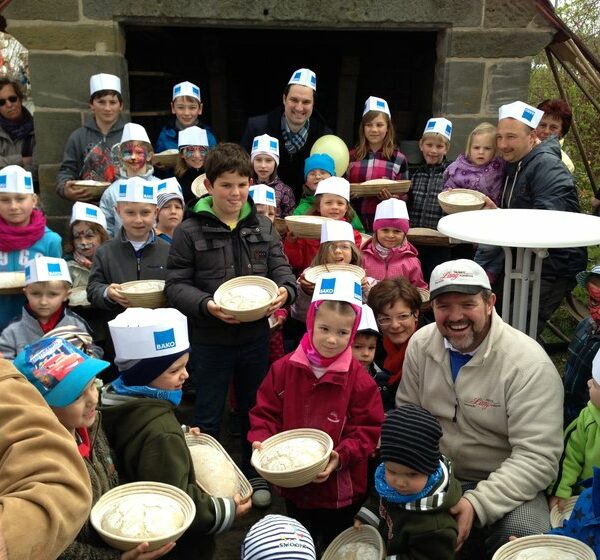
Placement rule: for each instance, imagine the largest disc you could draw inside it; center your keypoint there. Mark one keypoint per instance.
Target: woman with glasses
(17, 138)
(193, 147)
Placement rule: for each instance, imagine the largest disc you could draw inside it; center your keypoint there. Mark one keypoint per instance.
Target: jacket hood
(205, 206)
(8, 370)
(118, 126)
(549, 146)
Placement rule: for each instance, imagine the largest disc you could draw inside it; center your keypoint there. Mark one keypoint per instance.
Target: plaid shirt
(423, 206)
(578, 369)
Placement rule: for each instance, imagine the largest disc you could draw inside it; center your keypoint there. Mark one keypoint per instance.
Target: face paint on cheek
(84, 246)
(594, 293)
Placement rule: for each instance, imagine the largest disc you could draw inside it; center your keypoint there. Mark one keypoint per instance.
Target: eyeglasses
(191, 151)
(11, 98)
(386, 321)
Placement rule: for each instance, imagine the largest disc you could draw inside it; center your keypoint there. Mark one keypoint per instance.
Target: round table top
(547, 229)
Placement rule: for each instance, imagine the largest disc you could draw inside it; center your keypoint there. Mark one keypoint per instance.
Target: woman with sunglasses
(17, 138)
(193, 148)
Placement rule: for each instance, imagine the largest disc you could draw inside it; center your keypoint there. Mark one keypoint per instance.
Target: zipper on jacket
(455, 411)
(138, 259)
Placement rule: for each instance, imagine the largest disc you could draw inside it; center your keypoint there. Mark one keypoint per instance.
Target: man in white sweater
(499, 400)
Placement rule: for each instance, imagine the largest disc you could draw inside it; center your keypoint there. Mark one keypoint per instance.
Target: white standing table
(531, 233)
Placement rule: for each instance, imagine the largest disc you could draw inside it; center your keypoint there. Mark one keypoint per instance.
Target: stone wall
(483, 54)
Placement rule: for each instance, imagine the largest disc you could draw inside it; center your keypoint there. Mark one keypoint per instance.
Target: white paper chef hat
(596, 367)
(46, 269)
(367, 321)
(304, 77)
(133, 131)
(341, 286)
(334, 185)
(87, 213)
(192, 136)
(377, 104)
(391, 213)
(188, 89)
(168, 189)
(522, 112)
(101, 82)
(140, 333)
(265, 144)
(336, 230)
(15, 180)
(439, 125)
(263, 194)
(137, 189)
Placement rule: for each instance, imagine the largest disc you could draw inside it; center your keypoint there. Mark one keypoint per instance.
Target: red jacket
(402, 261)
(345, 403)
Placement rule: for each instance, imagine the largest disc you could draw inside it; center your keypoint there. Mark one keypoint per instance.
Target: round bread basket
(78, 297)
(366, 534)
(108, 500)
(205, 439)
(306, 227)
(12, 283)
(372, 188)
(558, 517)
(510, 550)
(427, 236)
(152, 297)
(449, 201)
(247, 315)
(315, 272)
(301, 476)
(94, 188)
(168, 158)
(198, 187)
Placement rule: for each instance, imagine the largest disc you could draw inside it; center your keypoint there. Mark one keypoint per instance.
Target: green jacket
(581, 453)
(417, 530)
(307, 201)
(149, 444)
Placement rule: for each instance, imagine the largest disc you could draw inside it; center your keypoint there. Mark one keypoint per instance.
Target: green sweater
(307, 201)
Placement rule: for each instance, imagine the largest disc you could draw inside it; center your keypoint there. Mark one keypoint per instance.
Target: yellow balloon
(334, 147)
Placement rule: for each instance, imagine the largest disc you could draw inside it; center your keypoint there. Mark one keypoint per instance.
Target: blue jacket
(50, 245)
(167, 139)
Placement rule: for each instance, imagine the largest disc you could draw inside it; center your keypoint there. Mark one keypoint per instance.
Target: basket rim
(320, 269)
(351, 535)
(250, 280)
(557, 518)
(560, 542)
(137, 282)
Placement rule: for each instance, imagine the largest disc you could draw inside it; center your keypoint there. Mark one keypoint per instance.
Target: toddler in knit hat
(414, 488)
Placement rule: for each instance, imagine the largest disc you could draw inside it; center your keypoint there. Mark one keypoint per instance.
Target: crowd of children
(156, 227)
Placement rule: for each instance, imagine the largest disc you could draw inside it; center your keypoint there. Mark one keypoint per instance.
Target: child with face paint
(134, 154)
(320, 385)
(193, 148)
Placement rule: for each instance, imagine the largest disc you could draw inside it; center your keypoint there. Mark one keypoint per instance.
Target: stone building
(457, 58)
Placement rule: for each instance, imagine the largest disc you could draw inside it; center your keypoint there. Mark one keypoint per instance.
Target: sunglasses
(191, 151)
(11, 98)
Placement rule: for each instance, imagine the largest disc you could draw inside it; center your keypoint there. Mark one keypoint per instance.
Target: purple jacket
(462, 174)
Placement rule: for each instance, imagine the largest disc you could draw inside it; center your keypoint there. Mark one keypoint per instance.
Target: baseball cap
(58, 370)
(462, 275)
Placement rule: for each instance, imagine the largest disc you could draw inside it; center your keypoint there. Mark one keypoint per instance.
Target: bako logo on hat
(27, 181)
(91, 212)
(357, 292)
(448, 129)
(327, 286)
(313, 80)
(54, 269)
(297, 76)
(164, 340)
(196, 91)
(147, 192)
(2, 180)
(274, 145)
(255, 144)
(162, 186)
(431, 124)
(380, 103)
(27, 272)
(123, 189)
(270, 195)
(177, 90)
(528, 114)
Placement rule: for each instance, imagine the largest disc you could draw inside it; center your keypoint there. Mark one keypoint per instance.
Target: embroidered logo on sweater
(484, 404)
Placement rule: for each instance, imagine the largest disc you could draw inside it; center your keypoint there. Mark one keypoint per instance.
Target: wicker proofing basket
(558, 517)
(12, 283)
(205, 439)
(198, 187)
(558, 542)
(302, 475)
(427, 236)
(451, 207)
(315, 272)
(112, 496)
(372, 189)
(168, 158)
(306, 227)
(152, 299)
(280, 226)
(247, 315)
(366, 534)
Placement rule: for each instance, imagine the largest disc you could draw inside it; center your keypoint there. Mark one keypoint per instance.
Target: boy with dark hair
(224, 238)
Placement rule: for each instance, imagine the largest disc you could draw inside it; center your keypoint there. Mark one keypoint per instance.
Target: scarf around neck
(15, 238)
(394, 359)
(391, 495)
(174, 397)
(294, 141)
(20, 129)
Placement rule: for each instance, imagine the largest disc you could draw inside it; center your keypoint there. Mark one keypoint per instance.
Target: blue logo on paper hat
(27, 272)
(270, 196)
(2, 180)
(148, 192)
(161, 187)
(177, 90)
(528, 114)
(448, 129)
(91, 212)
(327, 286)
(357, 291)
(123, 189)
(196, 90)
(431, 123)
(380, 103)
(274, 145)
(297, 76)
(313, 80)
(54, 269)
(164, 340)
(255, 144)
(27, 181)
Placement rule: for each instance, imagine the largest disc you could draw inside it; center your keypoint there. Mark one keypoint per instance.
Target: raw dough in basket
(462, 198)
(544, 553)
(214, 471)
(143, 516)
(378, 181)
(357, 551)
(12, 279)
(292, 454)
(242, 298)
(145, 287)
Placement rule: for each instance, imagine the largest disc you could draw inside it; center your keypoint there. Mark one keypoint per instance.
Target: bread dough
(143, 516)
(243, 298)
(12, 280)
(378, 181)
(214, 471)
(145, 287)
(292, 454)
(544, 553)
(357, 551)
(462, 198)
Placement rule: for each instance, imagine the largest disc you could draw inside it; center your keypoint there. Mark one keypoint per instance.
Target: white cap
(14, 179)
(377, 104)
(168, 189)
(46, 269)
(304, 77)
(391, 213)
(263, 194)
(133, 131)
(439, 125)
(522, 112)
(341, 286)
(136, 189)
(101, 82)
(265, 144)
(87, 213)
(462, 275)
(334, 185)
(336, 230)
(596, 367)
(192, 136)
(140, 333)
(188, 89)
(367, 320)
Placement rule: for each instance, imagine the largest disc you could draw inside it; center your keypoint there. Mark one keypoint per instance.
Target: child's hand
(195, 431)
(115, 294)
(307, 287)
(256, 445)
(278, 323)
(139, 552)
(384, 194)
(241, 508)
(72, 192)
(365, 286)
(278, 301)
(215, 311)
(334, 463)
(556, 501)
(489, 204)
(357, 524)
(290, 236)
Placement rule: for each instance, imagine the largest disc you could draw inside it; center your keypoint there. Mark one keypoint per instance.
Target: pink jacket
(402, 261)
(345, 403)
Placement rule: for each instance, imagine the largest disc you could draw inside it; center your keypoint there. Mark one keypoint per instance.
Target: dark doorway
(242, 72)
